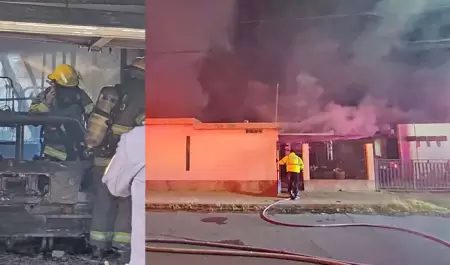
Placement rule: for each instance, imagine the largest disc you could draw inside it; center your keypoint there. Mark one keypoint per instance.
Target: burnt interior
(24, 184)
(327, 159)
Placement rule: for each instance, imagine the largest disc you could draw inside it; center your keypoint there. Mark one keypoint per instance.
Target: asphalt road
(364, 245)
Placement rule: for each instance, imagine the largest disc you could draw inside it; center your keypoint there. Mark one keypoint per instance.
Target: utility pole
(276, 101)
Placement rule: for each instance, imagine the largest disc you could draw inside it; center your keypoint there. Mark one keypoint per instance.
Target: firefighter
(118, 109)
(63, 97)
(294, 165)
(124, 177)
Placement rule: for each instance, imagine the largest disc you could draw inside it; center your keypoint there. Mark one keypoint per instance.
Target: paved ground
(170, 197)
(365, 245)
(330, 202)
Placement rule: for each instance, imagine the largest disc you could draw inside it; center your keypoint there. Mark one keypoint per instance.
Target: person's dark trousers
(121, 240)
(294, 181)
(103, 214)
(302, 182)
(111, 221)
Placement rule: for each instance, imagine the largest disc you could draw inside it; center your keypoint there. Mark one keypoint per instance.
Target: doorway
(283, 149)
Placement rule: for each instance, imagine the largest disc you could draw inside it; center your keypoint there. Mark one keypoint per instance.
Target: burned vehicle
(40, 198)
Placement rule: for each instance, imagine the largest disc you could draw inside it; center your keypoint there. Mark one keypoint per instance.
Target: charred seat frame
(62, 210)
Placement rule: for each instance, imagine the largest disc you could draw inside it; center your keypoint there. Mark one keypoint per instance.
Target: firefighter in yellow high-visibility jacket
(294, 165)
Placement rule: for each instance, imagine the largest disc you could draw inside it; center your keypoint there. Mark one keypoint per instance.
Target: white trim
(72, 30)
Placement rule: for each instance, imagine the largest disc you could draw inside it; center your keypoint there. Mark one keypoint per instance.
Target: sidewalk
(317, 202)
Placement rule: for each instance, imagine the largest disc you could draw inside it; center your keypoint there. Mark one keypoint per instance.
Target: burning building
(299, 63)
(188, 155)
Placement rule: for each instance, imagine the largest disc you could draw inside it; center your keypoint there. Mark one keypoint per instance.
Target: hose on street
(237, 251)
(263, 215)
(256, 252)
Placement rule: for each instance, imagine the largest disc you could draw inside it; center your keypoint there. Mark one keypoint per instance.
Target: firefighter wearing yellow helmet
(63, 97)
(118, 110)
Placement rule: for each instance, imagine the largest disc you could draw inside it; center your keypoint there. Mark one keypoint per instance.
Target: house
(188, 155)
(426, 141)
(417, 158)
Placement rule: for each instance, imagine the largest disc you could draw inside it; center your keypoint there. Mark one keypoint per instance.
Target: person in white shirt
(125, 176)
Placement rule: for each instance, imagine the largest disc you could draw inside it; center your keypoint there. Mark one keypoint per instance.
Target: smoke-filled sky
(339, 74)
(190, 27)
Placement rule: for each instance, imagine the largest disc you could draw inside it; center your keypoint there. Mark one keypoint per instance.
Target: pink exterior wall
(223, 157)
(423, 150)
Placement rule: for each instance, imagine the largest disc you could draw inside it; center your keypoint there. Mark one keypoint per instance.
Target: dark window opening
(188, 153)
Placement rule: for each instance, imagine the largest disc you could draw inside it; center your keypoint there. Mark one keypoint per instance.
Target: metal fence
(426, 175)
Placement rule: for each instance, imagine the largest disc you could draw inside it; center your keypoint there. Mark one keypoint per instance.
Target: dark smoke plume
(355, 89)
(179, 35)
(338, 77)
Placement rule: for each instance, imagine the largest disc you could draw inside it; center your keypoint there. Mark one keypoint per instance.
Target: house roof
(198, 125)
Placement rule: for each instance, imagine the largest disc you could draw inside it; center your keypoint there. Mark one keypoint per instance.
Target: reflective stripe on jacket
(293, 163)
(38, 107)
(37, 104)
(55, 152)
(118, 129)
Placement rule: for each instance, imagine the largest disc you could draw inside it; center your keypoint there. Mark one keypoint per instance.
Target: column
(305, 157)
(370, 161)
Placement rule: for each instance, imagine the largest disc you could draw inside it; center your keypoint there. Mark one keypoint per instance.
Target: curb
(370, 209)
(202, 207)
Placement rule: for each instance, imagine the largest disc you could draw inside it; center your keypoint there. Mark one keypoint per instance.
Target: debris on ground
(381, 203)
(396, 207)
(58, 254)
(18, 259)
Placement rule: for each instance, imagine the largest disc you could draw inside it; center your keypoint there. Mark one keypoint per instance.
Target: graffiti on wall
(29, 69)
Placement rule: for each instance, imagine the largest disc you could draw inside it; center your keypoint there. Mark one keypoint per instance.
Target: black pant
(111, 218)
(294, 183)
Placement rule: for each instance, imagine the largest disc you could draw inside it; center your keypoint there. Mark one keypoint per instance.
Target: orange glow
(216, 153)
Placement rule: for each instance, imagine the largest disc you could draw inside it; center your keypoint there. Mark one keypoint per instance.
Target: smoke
(357, 89)
(340, 74)
(180, 34)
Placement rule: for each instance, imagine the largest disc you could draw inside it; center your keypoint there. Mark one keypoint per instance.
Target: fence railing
(427, 175)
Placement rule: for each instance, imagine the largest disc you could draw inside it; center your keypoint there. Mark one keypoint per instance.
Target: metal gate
(426, 175)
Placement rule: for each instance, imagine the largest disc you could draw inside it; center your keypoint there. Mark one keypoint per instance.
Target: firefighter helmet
(65, 75)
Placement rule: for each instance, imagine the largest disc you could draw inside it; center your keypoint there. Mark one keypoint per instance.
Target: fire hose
(255, 252)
